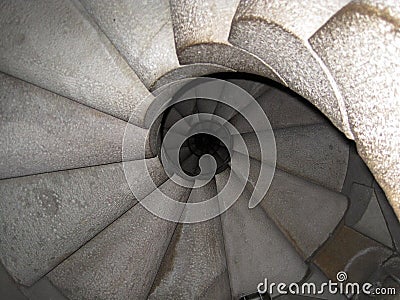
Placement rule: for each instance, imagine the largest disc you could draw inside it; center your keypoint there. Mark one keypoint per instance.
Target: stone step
(194, 267)
(369, 80)
(373, 223)
(283, 109)
(141, 31)
(277, 32)
(53, 44)
(121, 262)
(201, 31)
(44, 132)
(318, 153)
(305, 212)
(47, 217)
(255, 247)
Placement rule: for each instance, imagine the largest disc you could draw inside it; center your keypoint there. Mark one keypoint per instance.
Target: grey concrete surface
(255, 88)
(291, 200)
(43, 290)
(277, 32)
(121, 262)
(47, 217)
(42, 43)
(318, 153)
(195, 260)
(201, 31)
(305, 212)
(255, 247)
(8, 288)
(392, 221)
(44, 132)
(369, 82)
(142, 33)
(373, 224)
(283, 109)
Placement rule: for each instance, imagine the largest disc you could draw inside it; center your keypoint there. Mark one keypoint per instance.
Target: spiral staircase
(77, 75)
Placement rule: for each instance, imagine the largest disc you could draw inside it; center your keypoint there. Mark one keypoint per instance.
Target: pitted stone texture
(198, 21)
(229, 56)
(283, 109)
(255, 247)
(318, 153)
(195, 260)
(305, 212)
(201, 35)
(281, 42)
(121, 262)
(52, 44)
(303, 18)
(186, 71)
(47, 217)
(141, 31)
(44, 132)
(361, 48)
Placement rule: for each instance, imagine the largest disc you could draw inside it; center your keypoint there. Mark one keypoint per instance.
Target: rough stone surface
(255, 247)
(141, 31)
(44, 132)
(201, 21)
(53, 44)
(229, 56)
(121, 262)
(318, 153)
(291, 200)
(361, 48)
(47, 217)
(283, 109)
(195, 260)
(201, 35)
(186, 71)
(278, 36)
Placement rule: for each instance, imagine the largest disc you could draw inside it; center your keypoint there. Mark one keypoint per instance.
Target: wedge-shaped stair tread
(141, 31)
(54, 45)
(255, 247)
(121, 262)
(47, 217)
(318, 153)
(44, 132)
(201, 31)
(194, 266)
(283, 109)
(373, 224)
(305, 212)
(277, 32)
(369, 82)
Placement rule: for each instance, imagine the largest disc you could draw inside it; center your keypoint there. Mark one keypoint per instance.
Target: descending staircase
(79, 75)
